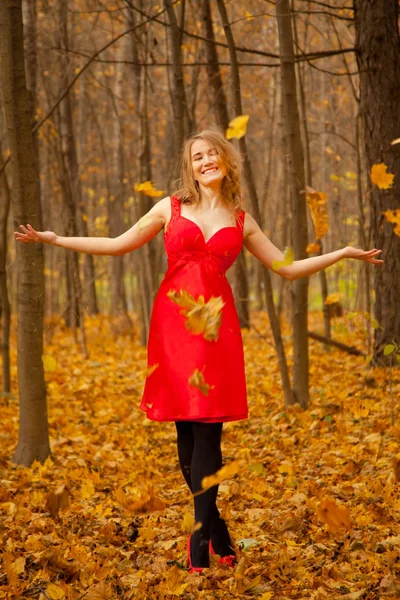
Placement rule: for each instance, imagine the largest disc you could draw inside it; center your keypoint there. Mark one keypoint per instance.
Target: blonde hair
(189, 193)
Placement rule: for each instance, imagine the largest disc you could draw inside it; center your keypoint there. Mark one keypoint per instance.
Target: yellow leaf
(87, 490)
(333, 298)
(359, 409)
(237, 127)
(49, 363)
(288, 258)
(380, 177)
(393, 216)
(249, 16)
(226, 472)
(19, 565)
(317, 203)
(198, 381)
(285, 468)
(55, 592)
(148, 189)
(202, 318)
(267, 596)
(396, 141)
(313, 248)
(101, 591)
(144, 222)
(333, 515)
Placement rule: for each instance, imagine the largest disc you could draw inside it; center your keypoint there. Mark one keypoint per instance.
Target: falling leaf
(334, 516)
(317, 203)
(188, 524)
(55, 592)
(393, 216)
(333, 298)
(288, 258)
(226, 472)
(150, 369)
(202, 318)
(313, 248)
(380, 177)
(389, 349)
(87, 490)
(58, 500)
(396, 141)
(148, 189)
(237, 127)
(198, 381)
(144, 222)
(49, 363)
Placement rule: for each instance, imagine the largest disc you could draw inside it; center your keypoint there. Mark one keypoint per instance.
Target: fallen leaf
(55, 592)
(333, 515)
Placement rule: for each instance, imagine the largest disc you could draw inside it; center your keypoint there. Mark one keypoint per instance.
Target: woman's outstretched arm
(262, 248)
(138, 235)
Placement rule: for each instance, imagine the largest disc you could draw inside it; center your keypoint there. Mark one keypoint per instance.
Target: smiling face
(208, 167)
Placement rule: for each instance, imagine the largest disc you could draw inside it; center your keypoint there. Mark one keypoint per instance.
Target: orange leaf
(333, 515)
(380, 177)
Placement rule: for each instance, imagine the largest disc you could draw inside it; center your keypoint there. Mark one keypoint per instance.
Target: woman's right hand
(31, 235)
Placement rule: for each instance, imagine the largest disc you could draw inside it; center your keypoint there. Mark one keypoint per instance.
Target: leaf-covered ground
(314, 509)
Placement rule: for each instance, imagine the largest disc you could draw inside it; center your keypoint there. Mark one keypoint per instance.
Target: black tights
(199, 452)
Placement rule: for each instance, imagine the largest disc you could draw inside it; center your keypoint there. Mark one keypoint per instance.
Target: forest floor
(314, 508)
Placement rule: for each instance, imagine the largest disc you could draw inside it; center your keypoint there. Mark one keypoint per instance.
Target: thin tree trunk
(5, 308)
(248, 174)
(33, 441)
(308, 178)
(71, 187)
(240, 285)
(299, 213)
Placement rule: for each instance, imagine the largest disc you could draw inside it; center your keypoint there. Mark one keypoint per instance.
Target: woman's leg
(185, 443)
(206, 460)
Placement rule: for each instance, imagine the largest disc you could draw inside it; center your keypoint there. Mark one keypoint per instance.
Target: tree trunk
(178, 95)
(33, 442)
(248, 174)
(378, 57)
(5, 308)
(299, 213)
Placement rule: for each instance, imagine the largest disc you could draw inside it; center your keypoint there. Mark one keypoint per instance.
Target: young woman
(195, 347)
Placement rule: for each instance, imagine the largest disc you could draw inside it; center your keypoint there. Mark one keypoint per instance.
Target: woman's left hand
(367, 256)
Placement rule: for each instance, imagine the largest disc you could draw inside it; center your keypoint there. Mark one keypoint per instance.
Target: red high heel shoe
(230, 560)
(192, 569)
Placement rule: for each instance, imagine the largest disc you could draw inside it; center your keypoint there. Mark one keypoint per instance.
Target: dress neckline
(202, 232)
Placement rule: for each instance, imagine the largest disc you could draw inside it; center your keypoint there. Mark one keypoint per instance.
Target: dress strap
(240, 220)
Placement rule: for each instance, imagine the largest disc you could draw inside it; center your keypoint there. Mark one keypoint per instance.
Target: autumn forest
(97, 98)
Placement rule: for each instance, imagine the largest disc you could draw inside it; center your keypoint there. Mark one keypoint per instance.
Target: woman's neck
(210, 197)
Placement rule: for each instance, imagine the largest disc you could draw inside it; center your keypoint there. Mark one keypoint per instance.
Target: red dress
(195, 375)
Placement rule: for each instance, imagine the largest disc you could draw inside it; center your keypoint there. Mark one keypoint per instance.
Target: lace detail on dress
(240, 220)
(175, 212)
